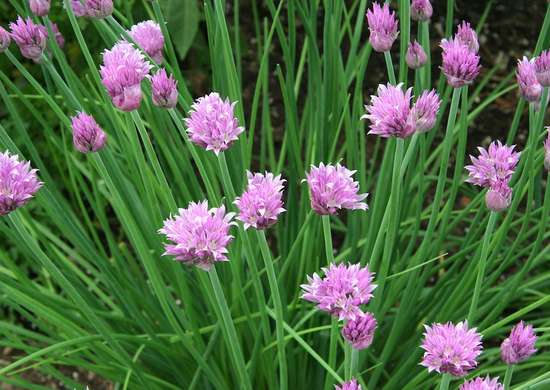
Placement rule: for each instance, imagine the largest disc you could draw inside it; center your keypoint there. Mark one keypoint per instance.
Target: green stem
(508, 376)
(354, 364)
(328, 239)
(445, 381)
(389, 66)
(226, 178)
(334, 325)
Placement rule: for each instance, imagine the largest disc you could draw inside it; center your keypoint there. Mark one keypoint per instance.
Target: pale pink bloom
(519, 345)
(529, 86)
(360, 331)
(542, 68)
(148, 36)
(421, 10)
(499, 196)
(164, 90)
(40, 7)
(30, 37)
(496, 164)
(78, 7)
(424, 111)
(87, 135)
(467, 36)
(5, 40)
(460, 64)
(350, 385)
(383, 27)
(482, 384)
(98, 9)
(416, 56)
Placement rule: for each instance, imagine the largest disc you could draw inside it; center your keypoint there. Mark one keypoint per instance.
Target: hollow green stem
(389, 66)
(334, 325)
(328, 239)
(445, 381)
(508, 376)
(354, 363)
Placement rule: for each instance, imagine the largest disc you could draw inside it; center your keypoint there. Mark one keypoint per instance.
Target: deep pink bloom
(519, 345)
(262, 201)
(40, 7)
(98, 9)
(542, 68)
(383, 27)
(350, 385)
(547, 150)
(424, 111)
(5, 40)
(58, 36)
(499, 196)
(87, 135)
(18, 183)
(164, 90)
(123, 69)
(482, 384)
(496, 164)
(199, 236)
(529, 87)
(148, 36)
(450, 348)
(467, 36)
(360, 332)
(421, 10)
(416, 56)
(212, 124)
(78, 7)
(341, 291)
(460, 64)
(30, 37)
(332, 188)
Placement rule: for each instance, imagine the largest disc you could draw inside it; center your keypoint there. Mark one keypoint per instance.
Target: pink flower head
(424, 111)
(341, 291)
(58, 36)
(460, 64)
(529, 87)
(199, 236)
(40, 7)
(499, 196)
(416, 56)
(18, 183)
(332, 188)
(87, 135)
(164, 90)
(451, 348)
(389, 112)
(98, 9)
(212, 124)
(262, 202)
(467, 36)
(123, 69)
(78, 7)
(493, 165)
(383, 27)
(360, 332)
(30, 37)
(547, 150)
(350, 385)
(542, 68)
(519, 345)
(482, 384)
(5, 40)
(421, 10)
(148, 36)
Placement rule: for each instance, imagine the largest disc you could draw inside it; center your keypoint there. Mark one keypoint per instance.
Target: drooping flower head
(332, 188)
(98, 9)
(421, 10)
(542, 68)
(123, 69)
(341, 291)
(460, 64)
(496, 164)
(547, 150)
(482, 384)
(424, 111)
(164, 90)
(519, 345)
(360, 332)
(212, 124)
(529, 87)
(30, 37)
(383, 27)
(499, 196)
(88, 136)
(5, 40)
(350, 385)
(148, 36)
(451, 348)
(262, 201)
(199, 236)
(59, 39)
(467, 36)
(40, 7)
(416, 56)
(18, 183)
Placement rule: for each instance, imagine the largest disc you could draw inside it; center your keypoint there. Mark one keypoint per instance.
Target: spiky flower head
(350, 385)
(59, 39)
(542, 68)
(424, 111)
(389, 112)
(30, 37)
(212, 124)
(164, 90)
(416, 56)
(460, 64)
(383, 27)
(529, 87)
(341, 291)
(5, 40)
(495, 164)
(199, 236)
(421, 10)
(40, 7)
(467, 36)
(482, 384)
(88, 136)
(99, 9)
(332, 188)
(451, 348)
(18, 182)
(499, 196)
(519, 345)
(123, 69)
(360, 332)
(547, 150)
(148, 36)
(262, 201)
(78, 7)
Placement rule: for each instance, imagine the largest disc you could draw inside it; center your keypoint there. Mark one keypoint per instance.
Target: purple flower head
(421, 10)
(332, 188)
(519, 345)
(451, 348)
(123, 69)
(425, 110)
(212, 124)
(87, 135)
(482, 384)
(262, 201)
(467, 36)
(493, 165)
(499, 196)
(360, 332)
(529, 87)
(78, 7)
(350, 385)
(389, 112)
(383, 27)
(460, 64)
(199, 236)
(30, 37)
(547, 150)
(341, 290)
(5, 40)
(416, 56)
(164, 90)
(58, 36)
(40, 7)
(542, 68)
(18, 183)
(98, 9)
(148, 36)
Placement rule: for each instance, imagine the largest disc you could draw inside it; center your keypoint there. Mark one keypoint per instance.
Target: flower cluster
(30, 37)
(164, 90)
(350, 385)
(40, 7)
(359, 332)
(421, 10)
(383, 27)
(542, 68)
(5, 40)
(460, 58)
(529, 86)
(467, 36)
(148, 36)
(97, 9)
(482, 384)
(416, 56)
(87, 135)
(519, 345)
